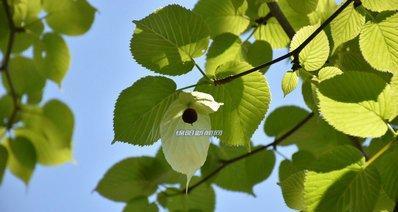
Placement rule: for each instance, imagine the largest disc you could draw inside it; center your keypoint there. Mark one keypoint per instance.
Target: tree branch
(276, 12)
(292, 53)
(13, 30)
(226, 163)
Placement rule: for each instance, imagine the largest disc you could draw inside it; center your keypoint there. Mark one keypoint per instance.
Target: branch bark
(226, 163)
(276, 12)
(295, 52)
(13, 30)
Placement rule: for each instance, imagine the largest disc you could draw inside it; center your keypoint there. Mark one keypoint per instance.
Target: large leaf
(379, 43)
(167, 40)
(315, 54)
(132, 178)
(53, 143)
(202, 198)
(354, 188)
(52, 57)
(224, 15)
(323, 11)
(21, 158)
(380, 5)
(3, 161)
(242, 175)
(70, 17)
(357, 103)
(283, 119)
(303, 6)
(140, 108)
(388, 169)
(245, 103)
(347, 25)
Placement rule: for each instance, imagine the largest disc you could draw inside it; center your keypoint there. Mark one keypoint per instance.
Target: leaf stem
(379, 153)
(295, 52)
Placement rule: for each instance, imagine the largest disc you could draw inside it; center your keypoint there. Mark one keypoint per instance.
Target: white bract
(187, 153)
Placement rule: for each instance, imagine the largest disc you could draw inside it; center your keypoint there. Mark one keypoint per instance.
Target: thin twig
(226, 163)
(5, 64)
(292, 53)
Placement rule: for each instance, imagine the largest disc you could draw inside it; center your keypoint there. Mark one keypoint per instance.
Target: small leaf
(328, 72)
(347, 25)
(140, 108)
(315, 54)
(380, 5)
(52, 57)
(282, 119)
(69, 17)
(22, 158)
(6, 108)
(357, 103)
(379, 44)
(223, 15)
(258, 53)
(289, 82)
(3, 161)
(169, 48)
(131, 178)
(242, 175)
(241, 113)
(24, 76)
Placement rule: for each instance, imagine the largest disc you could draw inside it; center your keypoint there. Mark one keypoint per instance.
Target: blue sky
(102, 67)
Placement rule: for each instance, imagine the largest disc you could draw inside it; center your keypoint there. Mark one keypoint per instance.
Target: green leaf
(53, 143)
(26, 39)
(289, 82)
(357, 103)
(167, 40)
(24, 76)
(380, 5)
(258, 53)
(3, 161)
(379, 44)
(384, 203)
(315, 54)
(272, 32)
(309, 135)
(323, 11)
(140, 204)
(69, 17)
(245, 101)
(21, 158)
(328, 73)
(140, 108)
(388, 169)
(283, 119)
(242, 175)
(347, 25)
(223, 15)
(303, 6)
(292, 190)
(202, 198)
(52, 57)
(131, 178)
(224, 48)
(6, 108)
(353, 188)
(228, 47)
(308, 91)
